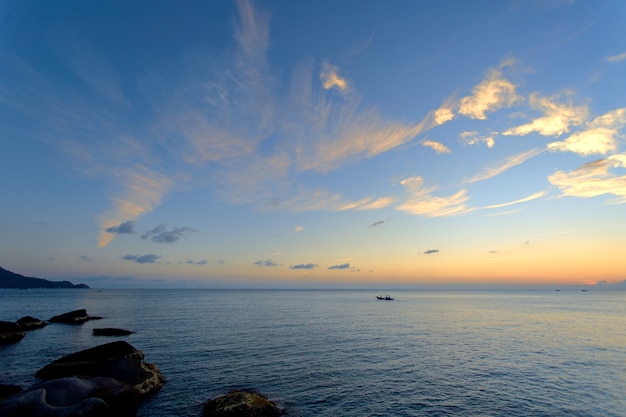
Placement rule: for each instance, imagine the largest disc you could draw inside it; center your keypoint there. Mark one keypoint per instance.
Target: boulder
(10, 332)
(111, 331)
(241, 404)
(118, 360)
(74, 397)
(30, 323)
(72, 317)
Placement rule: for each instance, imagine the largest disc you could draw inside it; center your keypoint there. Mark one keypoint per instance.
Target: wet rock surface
(117, 360)
(241, 404)
(111, 331)
(74, 397)
(30, 323)
(10, 332)
(109, 380)
(72, 317)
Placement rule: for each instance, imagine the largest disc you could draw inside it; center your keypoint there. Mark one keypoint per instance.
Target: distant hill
(10, 279)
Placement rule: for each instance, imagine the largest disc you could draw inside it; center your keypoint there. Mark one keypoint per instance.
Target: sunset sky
(206, 143)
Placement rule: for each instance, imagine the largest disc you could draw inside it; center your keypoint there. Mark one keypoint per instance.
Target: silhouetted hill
(10, 279)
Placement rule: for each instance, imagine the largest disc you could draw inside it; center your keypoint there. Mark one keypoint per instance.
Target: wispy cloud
(422, 202)
(599, 137)
(436, 146)
(556, 121)
(267, 262)
(303, 266)
(510, 162)
(591, 180)
(473, 138)
(143, 259)
(521, 200)
(341, 266)
(352, 135)
(84, 60)
(617, 58)
(308, 200)
(143, 190)
(368, 203)
(430, 251)
(377, 223)
(277, 134)
(192, 262)
(298, 229)
(160, 234)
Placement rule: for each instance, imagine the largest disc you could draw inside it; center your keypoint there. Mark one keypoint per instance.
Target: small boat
(386, 297)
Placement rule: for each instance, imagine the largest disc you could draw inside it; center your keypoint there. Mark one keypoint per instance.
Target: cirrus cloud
(592, 179)
(422, 202)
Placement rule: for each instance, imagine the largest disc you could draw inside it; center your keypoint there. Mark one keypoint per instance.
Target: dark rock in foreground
(118, 360)
(7, 390)
(241, 404)
(10, 332)
(31, 323)
(73, 317)
(74, 397)
(111, 331)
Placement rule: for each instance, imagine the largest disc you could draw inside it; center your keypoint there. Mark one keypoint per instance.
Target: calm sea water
(344, 353)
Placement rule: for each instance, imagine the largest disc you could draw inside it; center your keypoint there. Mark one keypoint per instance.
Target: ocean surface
(344, 353)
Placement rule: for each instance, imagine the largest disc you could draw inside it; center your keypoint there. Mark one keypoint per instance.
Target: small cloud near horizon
(267, 262)
(149, 258)
(303, 266)
(160, 234)
(122, 228)
(342, 266)
(192, 262)
(430, 251)
(378, 223)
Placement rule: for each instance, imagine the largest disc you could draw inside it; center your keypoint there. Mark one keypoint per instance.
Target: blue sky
(321, 143)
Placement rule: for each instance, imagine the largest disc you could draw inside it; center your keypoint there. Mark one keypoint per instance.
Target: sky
(321, 143)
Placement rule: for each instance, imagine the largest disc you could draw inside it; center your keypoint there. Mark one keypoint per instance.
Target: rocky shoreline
(111, 379)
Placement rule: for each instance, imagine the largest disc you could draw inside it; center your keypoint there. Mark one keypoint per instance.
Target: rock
(117, 360)
(241, 404)
(73, 317)
(74, 397)
(111, 331)
(30, 323)
(6, 390)
(10, 332)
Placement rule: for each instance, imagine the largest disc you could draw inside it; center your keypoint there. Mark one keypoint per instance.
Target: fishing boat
(386, 297)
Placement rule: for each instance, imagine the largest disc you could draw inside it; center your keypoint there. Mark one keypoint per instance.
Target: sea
(345, 353)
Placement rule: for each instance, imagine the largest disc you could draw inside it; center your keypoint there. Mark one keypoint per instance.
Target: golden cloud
(438, 147)
(600, 137)
(591, 180)
(422, 202)
(557, 120)
(493, 93)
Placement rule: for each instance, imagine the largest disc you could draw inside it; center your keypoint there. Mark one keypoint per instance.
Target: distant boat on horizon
(386, 297)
